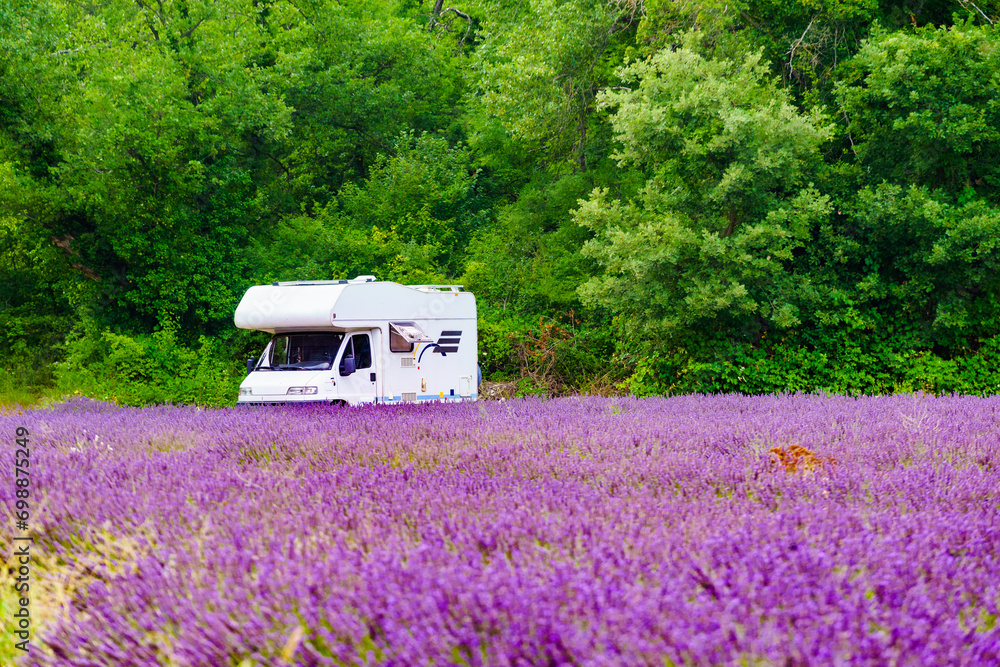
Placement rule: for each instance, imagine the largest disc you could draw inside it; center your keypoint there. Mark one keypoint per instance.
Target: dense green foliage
(648, 196)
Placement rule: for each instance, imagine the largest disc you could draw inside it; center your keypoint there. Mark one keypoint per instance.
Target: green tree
(139, 174)
(924, 108)
(710, 239)
(358, 76)
(803, 40)
(408, 220)
(539, 66)
(910, 259)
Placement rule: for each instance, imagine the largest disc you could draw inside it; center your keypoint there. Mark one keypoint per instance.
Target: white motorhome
(360, 341)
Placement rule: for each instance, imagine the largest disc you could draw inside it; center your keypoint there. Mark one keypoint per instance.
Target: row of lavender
(583, 531)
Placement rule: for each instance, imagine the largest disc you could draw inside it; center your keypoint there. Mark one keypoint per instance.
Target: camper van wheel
(339, 404)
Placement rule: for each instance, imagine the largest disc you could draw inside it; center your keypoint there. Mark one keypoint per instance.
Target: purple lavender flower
(583, 531)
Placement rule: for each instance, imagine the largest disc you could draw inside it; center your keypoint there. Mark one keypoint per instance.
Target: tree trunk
(731, 227)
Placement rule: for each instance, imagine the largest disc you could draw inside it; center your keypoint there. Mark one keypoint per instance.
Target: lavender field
(695, 530)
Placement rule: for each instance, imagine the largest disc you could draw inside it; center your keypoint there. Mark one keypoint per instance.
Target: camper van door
(356, 387)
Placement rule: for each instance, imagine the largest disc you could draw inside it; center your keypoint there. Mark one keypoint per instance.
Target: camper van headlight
(246, 391)
(302, 390)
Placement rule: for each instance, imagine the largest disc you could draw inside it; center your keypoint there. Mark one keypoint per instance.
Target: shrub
(147, 368)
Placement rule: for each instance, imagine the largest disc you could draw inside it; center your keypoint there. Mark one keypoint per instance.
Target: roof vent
(364, 279)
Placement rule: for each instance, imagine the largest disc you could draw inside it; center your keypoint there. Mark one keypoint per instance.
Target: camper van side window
(348, 352)
(279, 352)
(362, 351)
(397, 343)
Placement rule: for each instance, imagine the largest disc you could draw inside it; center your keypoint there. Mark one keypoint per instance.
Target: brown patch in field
(797, 458)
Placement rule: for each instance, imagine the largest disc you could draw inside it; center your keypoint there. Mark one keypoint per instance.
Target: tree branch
(369, 137)
(187, 33)
(152, 28)
(969, 2)
(797, 44)
(465, 16)
(308, 20)
(849, 137)
(437, 12)
(288, 174)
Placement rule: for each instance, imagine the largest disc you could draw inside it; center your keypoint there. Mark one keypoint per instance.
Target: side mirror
(251, 362)
(347, 365)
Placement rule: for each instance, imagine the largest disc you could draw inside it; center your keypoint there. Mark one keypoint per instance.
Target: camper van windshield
(306, 351)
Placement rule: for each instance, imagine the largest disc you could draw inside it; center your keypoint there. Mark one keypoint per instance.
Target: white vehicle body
(406, 343)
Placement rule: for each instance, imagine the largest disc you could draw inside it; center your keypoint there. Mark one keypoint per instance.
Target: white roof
(324, 305)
